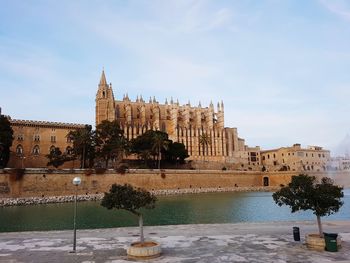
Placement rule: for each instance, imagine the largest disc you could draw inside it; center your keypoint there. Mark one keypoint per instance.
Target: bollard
(296, 233)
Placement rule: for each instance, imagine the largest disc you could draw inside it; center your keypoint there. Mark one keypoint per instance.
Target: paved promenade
(244, 242)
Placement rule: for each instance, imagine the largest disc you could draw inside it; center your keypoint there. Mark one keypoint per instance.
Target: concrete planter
(315, 242)
(149, 249)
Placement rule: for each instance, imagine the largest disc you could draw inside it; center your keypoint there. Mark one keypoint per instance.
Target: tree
(110, 141)
(177, 152)
(56, 158)
(83, 145)
(150, 144)
(130, 199)
(304, 193)
(160, 142)
(6, 138)
(204, 140)
(142, 146)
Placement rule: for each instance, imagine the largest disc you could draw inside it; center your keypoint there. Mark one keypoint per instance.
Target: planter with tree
(305, 193)
(132, 199)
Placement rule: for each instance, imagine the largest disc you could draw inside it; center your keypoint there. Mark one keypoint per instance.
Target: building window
(20, 137)
(53, 129)
(69, 138)
(36, 138)
(69, 150)
(163, 127)
(36, 150)
(268, 156)
(53, 138)
(19, 149)
(52, 148)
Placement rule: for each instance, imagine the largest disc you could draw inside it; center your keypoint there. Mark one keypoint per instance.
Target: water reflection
(185, 209)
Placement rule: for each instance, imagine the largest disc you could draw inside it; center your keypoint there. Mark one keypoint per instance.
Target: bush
(88, 172)
(100, 170)
(122, 169)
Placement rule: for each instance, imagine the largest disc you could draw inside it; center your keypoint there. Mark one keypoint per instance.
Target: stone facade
(45, 182)
(34, 139)
(183, 123)
(339, 163)
(295, 158)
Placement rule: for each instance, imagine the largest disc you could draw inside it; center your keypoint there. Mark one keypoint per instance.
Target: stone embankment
(97, 197)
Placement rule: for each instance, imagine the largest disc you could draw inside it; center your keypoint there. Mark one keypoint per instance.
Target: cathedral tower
(105, 104)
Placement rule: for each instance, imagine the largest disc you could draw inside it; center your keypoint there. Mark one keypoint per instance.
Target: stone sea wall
(97, 197)
(46, 183)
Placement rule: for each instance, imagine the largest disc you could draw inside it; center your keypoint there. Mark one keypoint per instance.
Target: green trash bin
(331, 242)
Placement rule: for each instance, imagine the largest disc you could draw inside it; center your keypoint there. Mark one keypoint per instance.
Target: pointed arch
(36, 150)
(52, 148)
(19, 149)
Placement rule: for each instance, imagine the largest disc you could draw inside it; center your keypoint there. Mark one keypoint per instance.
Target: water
(170, 210)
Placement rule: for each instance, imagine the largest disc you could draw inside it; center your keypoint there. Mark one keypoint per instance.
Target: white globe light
(76, 181)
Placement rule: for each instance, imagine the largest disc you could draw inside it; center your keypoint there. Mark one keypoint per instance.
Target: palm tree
(110, 142)
(160, 142)
(204, 140)
(83, 144)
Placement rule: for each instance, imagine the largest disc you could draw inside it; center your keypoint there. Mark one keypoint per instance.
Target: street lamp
(76, 182)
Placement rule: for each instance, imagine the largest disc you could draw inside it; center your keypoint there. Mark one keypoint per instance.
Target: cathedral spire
(103, 81)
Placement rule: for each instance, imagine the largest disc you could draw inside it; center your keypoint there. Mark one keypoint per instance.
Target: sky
(282, 67)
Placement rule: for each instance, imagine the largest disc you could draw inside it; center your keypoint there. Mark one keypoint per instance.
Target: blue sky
(281, 67)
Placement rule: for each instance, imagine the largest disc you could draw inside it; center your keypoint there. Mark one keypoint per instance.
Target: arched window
(19, 149)
(52, 148)
(69, 150)
(163, 127)
(36, 150)
(266, 181)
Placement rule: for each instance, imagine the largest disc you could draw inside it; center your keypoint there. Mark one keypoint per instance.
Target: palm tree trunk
(83, 165)
(142, 239)
(159, 157)
(320, 230)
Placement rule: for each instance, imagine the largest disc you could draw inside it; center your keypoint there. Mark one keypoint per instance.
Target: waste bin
(296, 233)
(331, 242)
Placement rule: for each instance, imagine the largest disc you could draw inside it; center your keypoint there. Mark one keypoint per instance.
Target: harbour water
(170, 210)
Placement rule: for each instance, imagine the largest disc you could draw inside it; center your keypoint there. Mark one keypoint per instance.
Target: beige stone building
(183, 123)
(296, 158)
(340, 163)
(33, 140)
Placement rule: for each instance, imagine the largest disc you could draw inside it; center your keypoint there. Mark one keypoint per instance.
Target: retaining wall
(44, 182)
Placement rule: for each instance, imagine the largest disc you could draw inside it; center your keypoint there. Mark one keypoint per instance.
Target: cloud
(340, 8)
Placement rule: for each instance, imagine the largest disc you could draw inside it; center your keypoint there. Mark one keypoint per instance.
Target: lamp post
(76, 182)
